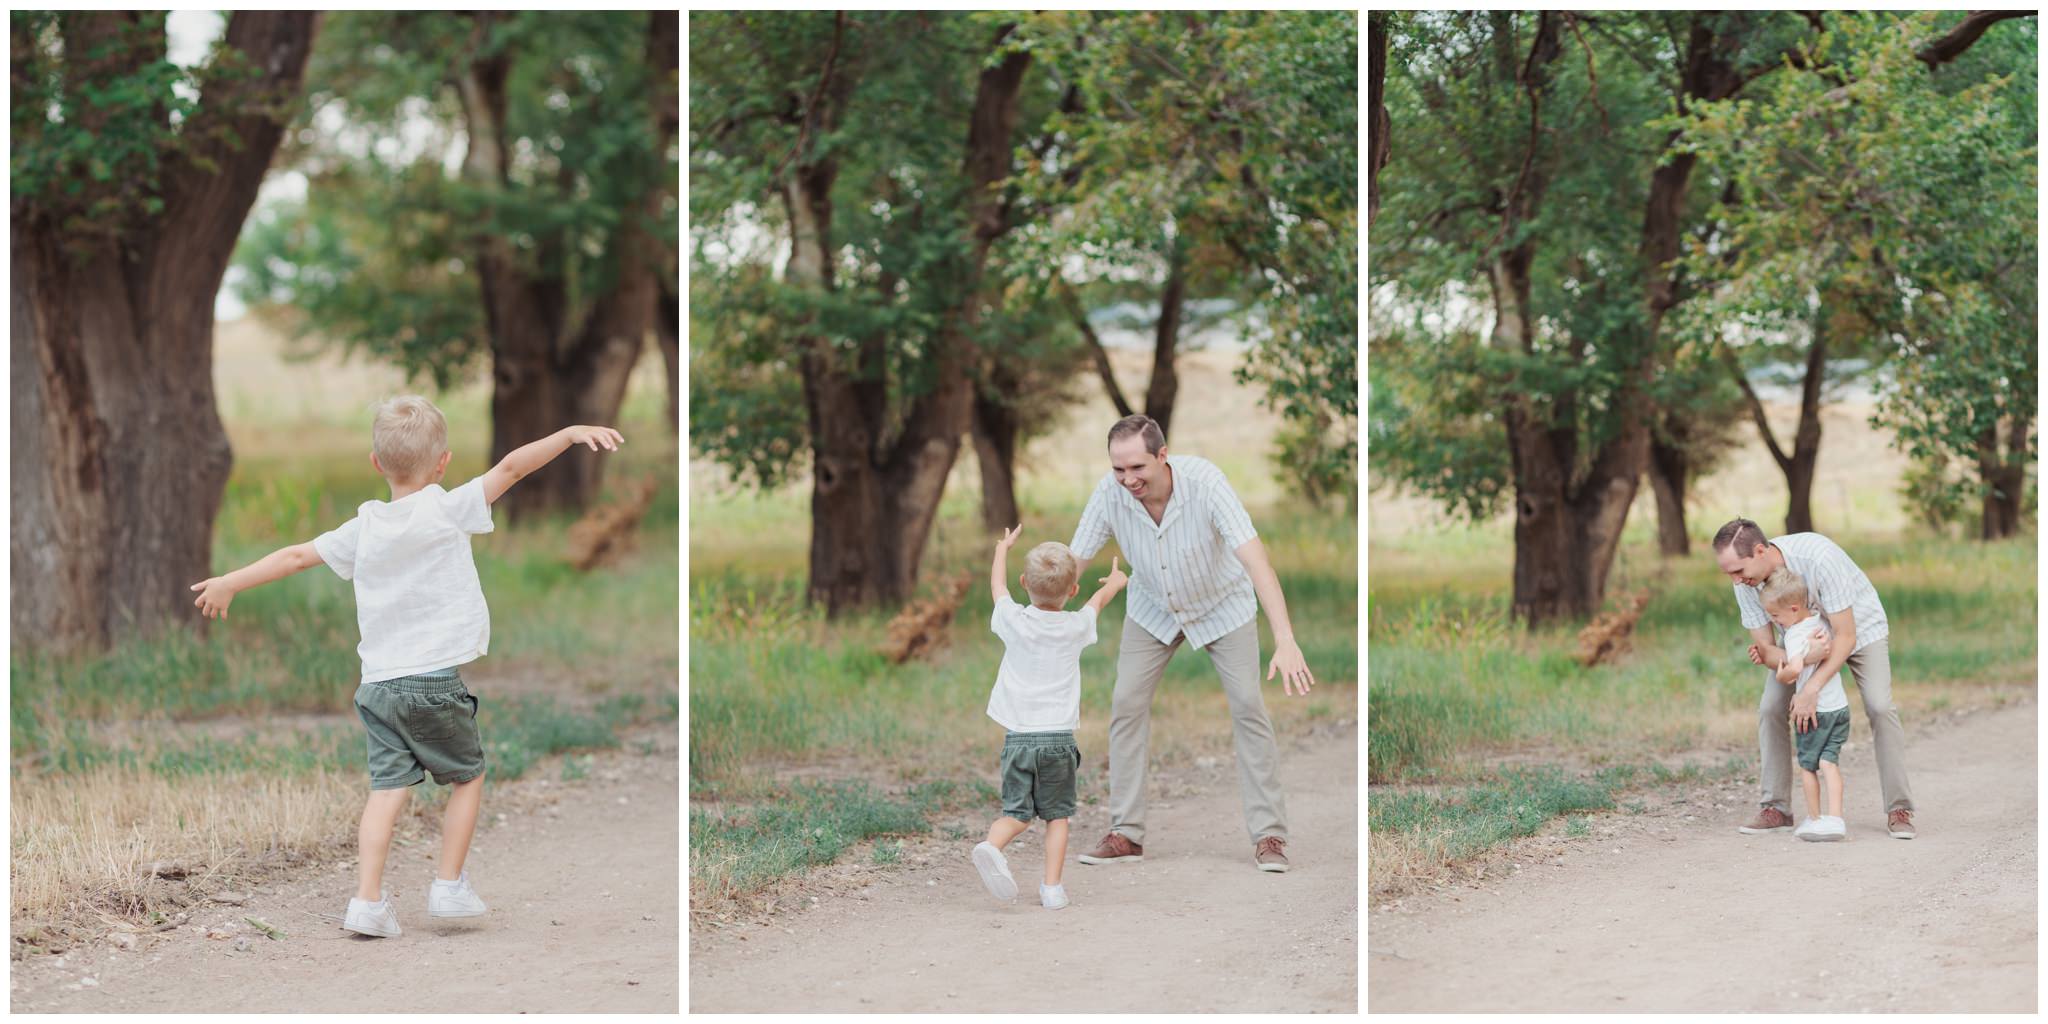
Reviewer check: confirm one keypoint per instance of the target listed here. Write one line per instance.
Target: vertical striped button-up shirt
(1834, 580)
(1185, 576)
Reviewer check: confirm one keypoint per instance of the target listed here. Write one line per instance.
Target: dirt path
(581, 881)
(1670, 914)
(1193, 927)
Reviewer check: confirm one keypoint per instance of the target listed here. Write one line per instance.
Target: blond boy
(421, 611)
(1037, 701)
(1819, 744)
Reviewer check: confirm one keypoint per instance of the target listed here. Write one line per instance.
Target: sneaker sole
(1746, 830)
(457, 913)
(1131, 858)
(1273, 867)
(990, 864)
(371, 933)
(1903, 835)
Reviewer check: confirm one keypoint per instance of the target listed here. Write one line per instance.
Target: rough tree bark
(119, 456)
(2005, 481)
(1670, 474)
(1376, 58)
(547, 372)
(872, 506)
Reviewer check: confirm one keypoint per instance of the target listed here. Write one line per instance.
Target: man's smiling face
(1749, 571)
(1137, 470)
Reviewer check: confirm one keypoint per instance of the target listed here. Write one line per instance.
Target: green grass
(1452, 676)
(771, 678)
(738, 850)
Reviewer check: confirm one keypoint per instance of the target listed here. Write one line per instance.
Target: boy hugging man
(1037, 700)
(1819, 744)
(422, 613)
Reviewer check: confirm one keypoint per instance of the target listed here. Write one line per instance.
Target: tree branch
(1102, 367)
(1960, 38)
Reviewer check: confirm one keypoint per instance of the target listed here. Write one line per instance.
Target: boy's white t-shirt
(418, 600)
(1038, 685)
(1797, 640)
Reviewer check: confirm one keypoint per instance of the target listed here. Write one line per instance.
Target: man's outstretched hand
(1295, 678)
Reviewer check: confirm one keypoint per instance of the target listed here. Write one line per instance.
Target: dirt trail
(581, 882)
(1672, 914)
(1193, 927)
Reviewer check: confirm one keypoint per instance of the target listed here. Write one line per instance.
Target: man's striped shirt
(1185, 576)
(1835, 581)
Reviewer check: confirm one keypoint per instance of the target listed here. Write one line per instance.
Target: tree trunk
(995, 450)
(668, 335)
(1376, 59)
(2005, 480)
(1669, 471)
(872, 510)
(543, 377)
(1101, 355)
(119, 456)
(1165, 385)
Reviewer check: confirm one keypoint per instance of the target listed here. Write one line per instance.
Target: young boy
(421, 610)
(1037, 701)
(1785, 599)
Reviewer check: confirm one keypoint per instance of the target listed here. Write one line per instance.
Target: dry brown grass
(84, 843)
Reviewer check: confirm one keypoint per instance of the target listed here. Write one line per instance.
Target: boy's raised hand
(1116, 577)
(1009, 537)
(214, 597)
(596, 437)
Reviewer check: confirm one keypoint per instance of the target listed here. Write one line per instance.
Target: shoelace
(1271, 844)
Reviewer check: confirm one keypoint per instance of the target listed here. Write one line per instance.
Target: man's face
(1137, 470)
(1749, 571)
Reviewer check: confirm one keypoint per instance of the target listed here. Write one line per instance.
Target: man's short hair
(408, 436)
(1050, 571)
(1784, 585)
(1138, 423)
(1741, 534)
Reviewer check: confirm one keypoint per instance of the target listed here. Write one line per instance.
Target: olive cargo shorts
(1038, 775)
(418, 725)
(1824, 741)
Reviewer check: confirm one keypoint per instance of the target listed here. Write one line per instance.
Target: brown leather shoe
(1113, 849)
(1770, 819)
(1268, 855)
(1900, 824)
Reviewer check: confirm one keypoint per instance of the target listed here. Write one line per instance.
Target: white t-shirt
(1797, 640)
(1038, 685)
(418, 601)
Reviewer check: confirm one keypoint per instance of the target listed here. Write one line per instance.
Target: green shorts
(418, 725)
(1823, 742)
(1038, 775)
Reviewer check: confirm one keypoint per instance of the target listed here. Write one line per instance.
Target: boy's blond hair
(1784, 585)
(408, 437)
(1049, 573)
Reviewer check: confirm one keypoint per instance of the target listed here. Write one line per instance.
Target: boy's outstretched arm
(525, 459)
(1111, 584)
(216, 593)
(998, 586)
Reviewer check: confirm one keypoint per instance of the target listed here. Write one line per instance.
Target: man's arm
(1111, 584)
(1287, 659)
(998, 570)
(216, 593)
(522, 461)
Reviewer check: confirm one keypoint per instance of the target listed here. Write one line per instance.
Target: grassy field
(1466, 707)
(237, 751)
(782, 701)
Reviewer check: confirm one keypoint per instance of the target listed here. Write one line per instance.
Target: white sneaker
(365, 918)
(1053, 897)
(1805, 826)
(1830, 829)
(453, 899)
(995, 871)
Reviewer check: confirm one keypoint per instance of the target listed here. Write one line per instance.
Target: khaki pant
(1871, 668)
(1140, 664)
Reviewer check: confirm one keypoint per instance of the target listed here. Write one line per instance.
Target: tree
(1884, 201)
(546, 254)
(1531, 142)
(127, 197)
(889, 235)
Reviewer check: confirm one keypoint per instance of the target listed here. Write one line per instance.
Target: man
(1845, 595)
(1198, 573)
